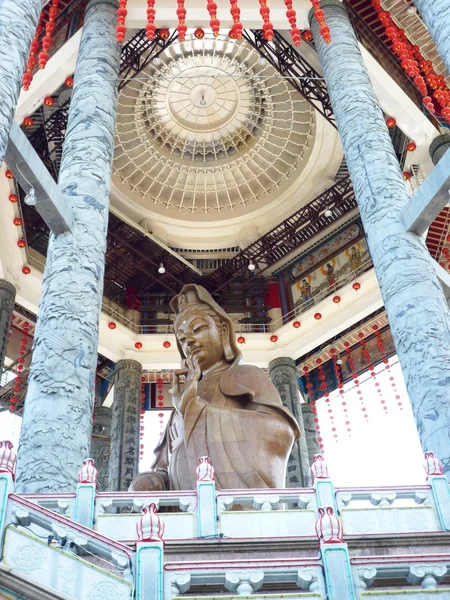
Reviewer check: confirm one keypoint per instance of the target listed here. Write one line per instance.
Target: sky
(381, 449)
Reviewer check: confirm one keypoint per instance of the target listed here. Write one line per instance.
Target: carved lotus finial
(328, 527)
(88, 473)
(7, 458)
(319, 468)
(205, 470)
(150, 527)
(432, 465)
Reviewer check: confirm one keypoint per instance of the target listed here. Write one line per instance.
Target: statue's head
(203, 330)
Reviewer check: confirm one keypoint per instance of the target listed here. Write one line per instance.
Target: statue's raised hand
(182, 396)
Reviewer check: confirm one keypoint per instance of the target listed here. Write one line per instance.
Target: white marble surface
(417, 309)
(56, 430)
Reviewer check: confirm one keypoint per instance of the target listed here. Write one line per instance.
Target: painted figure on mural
(227, 411)
(305, 290)
(355, 258)
(329, 272)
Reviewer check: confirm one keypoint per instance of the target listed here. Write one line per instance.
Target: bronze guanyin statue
(227, 411)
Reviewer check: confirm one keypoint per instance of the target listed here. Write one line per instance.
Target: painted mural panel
(329, 267)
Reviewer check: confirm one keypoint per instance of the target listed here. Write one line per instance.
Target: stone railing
(163, 545)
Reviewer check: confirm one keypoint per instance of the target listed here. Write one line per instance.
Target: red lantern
(26, 270)
(121, 16)
(391, 122)
(69, 82)
(164, 34)
(17, 221)
(274, 338)
(307, 35)
(21, 243)
(9, 174)
(199, 33)
(214, 22)
(318, 316)
(296, 324)
(48, 101)
(112, 325)
(241, 340)
(166, 344)
(411, 146)
(336, 299)
(406, 175)
(151, 27)
(356, 286)
(138, 345)
(28, 122)
(13, 198)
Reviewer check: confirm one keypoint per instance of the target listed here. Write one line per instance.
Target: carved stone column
(56, 429)
(7, 296)
(18, 22)
(436, 16)
(312, 442)
(418, 313)
(283, 375)
(125, 426)
(439, 147)
(101, 445)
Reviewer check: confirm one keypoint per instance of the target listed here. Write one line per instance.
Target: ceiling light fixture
(30, 199)
(251, 266)
(161, 268)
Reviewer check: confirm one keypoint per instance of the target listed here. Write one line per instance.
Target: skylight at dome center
(210, 128)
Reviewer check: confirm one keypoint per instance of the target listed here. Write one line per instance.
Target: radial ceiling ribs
(290, 64)
(137, 53)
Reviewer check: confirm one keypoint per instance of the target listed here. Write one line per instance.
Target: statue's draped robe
(238, 420)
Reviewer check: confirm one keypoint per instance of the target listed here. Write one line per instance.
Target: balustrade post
(206, 499)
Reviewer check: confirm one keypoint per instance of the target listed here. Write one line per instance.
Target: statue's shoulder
(248, 379)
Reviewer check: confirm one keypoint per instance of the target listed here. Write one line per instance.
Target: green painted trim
(139, 552)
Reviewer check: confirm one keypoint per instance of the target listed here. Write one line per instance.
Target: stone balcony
(387, 543)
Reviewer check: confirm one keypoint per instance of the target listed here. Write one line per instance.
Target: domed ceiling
(211, 131)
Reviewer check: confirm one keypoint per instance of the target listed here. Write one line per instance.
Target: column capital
(128, 363)
(7, 287)
(439, 147)
(323, 5)
(283, 361)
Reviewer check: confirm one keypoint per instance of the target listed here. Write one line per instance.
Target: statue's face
(201, 338)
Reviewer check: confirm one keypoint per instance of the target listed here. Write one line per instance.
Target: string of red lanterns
(340, 387)
(236, 29)
(312, 403)
(292, 18)
(415, 66)
(159, 385)
(181, 14)
(32, 60)
(319, 15)
(20, 363)
(50, 27)
(324, 389)
(150, 28)
(267, 25)
(18, 222)
(141, 419)
(121, 18)
(214, 22)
